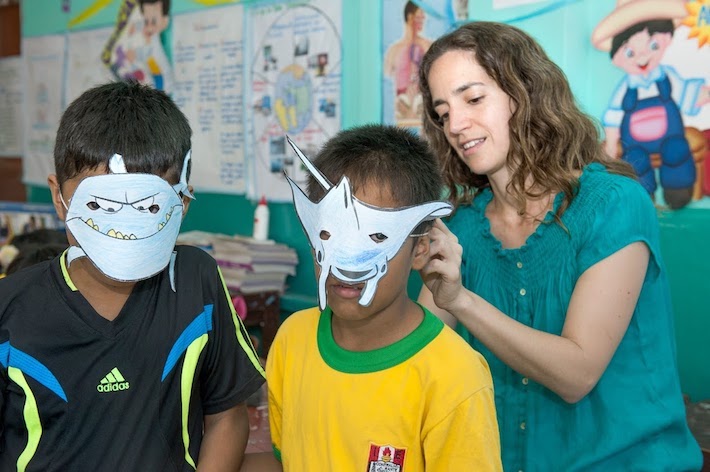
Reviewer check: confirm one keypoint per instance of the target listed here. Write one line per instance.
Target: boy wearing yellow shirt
(370, 380)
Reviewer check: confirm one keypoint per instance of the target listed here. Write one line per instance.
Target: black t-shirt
(79, 392)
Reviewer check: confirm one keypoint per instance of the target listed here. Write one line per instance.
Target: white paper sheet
(208, 66)
(44, 70)
(11, 95)
(85, 68)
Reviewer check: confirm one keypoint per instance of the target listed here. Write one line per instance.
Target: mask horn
(322, 180)
(116, 164)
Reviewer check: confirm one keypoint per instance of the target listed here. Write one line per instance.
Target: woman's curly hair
(551, 139)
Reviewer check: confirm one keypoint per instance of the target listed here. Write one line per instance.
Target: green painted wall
(685, 234)
(685, 245)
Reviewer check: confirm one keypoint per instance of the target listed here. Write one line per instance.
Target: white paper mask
(350, 253)
(126, 223)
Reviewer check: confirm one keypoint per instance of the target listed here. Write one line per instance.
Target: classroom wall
(684, 233)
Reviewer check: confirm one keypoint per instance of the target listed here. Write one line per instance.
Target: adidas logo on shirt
(113, 382)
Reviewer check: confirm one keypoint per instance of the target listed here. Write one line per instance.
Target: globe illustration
(293, 100)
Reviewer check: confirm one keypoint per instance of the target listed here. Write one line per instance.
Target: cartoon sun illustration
(698, 20)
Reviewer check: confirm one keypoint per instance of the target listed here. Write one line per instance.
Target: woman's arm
(598, 315)
(225, 439)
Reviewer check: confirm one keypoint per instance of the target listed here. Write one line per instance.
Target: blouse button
(522, 425)
(525, 380)
(519, 264)
(523, 292)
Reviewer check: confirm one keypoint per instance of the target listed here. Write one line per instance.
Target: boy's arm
(224, 441)
(467, 439)
(261, 462)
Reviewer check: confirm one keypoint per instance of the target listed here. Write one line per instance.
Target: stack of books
(247, 265)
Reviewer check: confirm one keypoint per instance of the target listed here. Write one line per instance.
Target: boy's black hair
(653, 26)
(138, 122)
(33, 254)
(392, 157)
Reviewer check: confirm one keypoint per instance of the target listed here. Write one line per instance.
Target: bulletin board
(244, 73)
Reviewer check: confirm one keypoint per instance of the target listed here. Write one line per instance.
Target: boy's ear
(421, 252)
(186, 201)
(56, 199)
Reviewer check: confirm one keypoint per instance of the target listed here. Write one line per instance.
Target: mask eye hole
(147, 204)
(378, 237)
(107, 205)
(93, 206)
(324, 235)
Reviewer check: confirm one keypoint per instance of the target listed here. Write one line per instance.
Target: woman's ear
(421, 252)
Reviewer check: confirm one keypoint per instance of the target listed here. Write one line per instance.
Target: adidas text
(113, 387)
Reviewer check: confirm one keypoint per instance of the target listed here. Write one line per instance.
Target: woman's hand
(442, 274)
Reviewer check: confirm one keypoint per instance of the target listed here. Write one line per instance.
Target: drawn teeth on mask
(119, 235)
(91, 224)
(167, 218)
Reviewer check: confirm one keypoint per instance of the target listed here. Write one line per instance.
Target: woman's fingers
(444, 254)
(444, 245)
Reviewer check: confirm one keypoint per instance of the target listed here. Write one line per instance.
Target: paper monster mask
(350, 253)
(126, 223)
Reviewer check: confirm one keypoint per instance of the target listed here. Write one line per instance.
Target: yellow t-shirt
(423, 403)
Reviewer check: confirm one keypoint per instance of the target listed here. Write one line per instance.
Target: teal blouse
(634, 418)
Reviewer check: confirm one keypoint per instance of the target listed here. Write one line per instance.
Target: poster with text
(11, 94)
(209, 69)
(294, 89)
(44, 63)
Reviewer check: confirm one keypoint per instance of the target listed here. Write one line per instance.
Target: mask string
(61, 197)
(181, 187)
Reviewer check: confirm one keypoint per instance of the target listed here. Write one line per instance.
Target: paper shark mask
(350, 253)
(126, 223)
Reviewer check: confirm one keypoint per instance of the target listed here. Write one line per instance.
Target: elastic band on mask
(61, 197)
(181, 187)
(419, 235)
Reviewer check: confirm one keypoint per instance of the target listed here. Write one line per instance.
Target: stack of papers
(247, 265)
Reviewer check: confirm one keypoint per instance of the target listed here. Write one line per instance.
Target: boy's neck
(382, 329)
(105, 296)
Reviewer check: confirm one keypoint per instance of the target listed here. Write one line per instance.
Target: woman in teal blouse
(551, 263)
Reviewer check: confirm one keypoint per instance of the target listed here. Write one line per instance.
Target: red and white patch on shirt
(386, 459)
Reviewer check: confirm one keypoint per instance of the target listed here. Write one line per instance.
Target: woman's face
(473, 111)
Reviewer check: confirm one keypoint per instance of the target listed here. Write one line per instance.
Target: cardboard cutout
(352, 240)
(645, 115)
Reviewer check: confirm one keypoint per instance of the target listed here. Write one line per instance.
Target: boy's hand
(442, 274)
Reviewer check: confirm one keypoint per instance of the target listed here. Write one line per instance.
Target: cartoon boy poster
(135, 50)
(644, 121)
